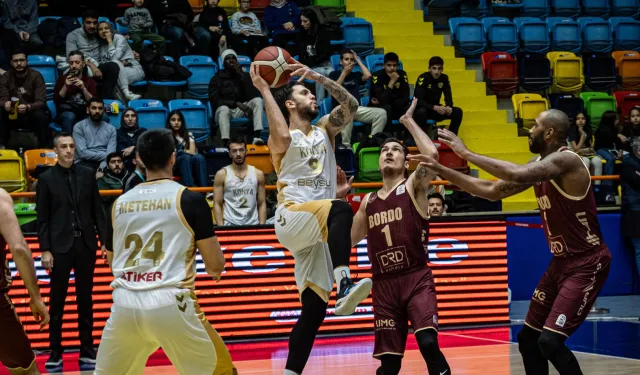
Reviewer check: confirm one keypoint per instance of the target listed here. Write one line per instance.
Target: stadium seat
(12, 172)
(534, 34)
(46, 65)
(596, 103)
(259, 157)
(534, 71)
(40, 19)
(216, 157)
(626, 33)
(625, 8)
(38, 159)
(500, 71)
(628, 69)
(203, 69)
(368, 169)
(567, 103)
(566, 8)
(596, 8)
(536, 8)
(152, 114)
(195, 116)
(478, 11)
(502, 35)
(467, 36)
(625, 101)
(527, 107)
(596, 34)
(599, 71)
(345, 160)
(115, 117)
(566, 69)
(52, 108)
(168, 83)
(565, 34)
(358, 35)
(122, 29)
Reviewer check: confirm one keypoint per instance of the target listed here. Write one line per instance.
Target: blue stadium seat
(626, 33)
(122, 29)
(565, 34)
(100, 19)
(114, 118)
(475, 11)
(536, 8)
(54, 113)
(168, 83)
(596, 8)
(47, 17)
(625, 8)
(599, 71)
(376, 62)
(47, 67)
(358, 35)
(502, 35)
(567, 103)
(467, 35)
(534, 34)
(203, 69)
(152, 114)
(534, 72)
(195, 116)
(596, 34)
(244, 61)
(566, 8)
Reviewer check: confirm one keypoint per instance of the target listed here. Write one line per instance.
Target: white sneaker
(350, 295)
(258, 141)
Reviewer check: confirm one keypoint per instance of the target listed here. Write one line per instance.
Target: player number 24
(151, 250)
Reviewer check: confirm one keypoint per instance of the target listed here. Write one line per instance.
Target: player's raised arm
(279, 136)
(359, 227)
(491, 190)
(421, 177)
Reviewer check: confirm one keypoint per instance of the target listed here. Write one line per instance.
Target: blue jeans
(636, 247)
(190, 166)
(610, 166)
(175, 34)
(203, 42)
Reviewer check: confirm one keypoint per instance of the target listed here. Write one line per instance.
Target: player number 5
(151, 250)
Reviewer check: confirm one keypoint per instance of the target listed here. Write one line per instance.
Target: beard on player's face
(536, 142)
(392, 162)
(307, 111)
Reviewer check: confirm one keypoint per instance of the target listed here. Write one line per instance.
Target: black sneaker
(351, 294)
(54, 362)
(87, 356)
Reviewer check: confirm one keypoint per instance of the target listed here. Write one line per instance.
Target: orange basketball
(273, 65)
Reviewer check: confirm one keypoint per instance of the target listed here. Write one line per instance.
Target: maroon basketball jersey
(5, 272)
(570, 223)
(397, 233)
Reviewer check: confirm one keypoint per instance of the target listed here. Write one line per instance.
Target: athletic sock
(289, 372)
(340, 273)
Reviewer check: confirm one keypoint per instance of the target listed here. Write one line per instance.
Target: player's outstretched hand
(343, 185)
(304, 72)
(452, 140)
(404, 119)
(257, 79)
(426, 161)
(39, 311)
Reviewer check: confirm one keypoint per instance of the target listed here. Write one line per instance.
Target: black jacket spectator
(630, 181)
(314, 47)
(126, 137)
(396, 96)
(429, 90)
(228, 89)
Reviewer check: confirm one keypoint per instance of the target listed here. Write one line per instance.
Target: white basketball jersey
(153, 245)
(240, 198)
(307, 172)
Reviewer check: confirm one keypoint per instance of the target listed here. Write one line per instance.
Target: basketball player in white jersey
(238, 190)
(157, 227)
(312, 221)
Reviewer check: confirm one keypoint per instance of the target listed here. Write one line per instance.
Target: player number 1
(387, 234)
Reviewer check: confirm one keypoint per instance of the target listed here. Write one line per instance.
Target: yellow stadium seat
(12, 175)
(259, 157)
(628, 66)
(566, 69)
(38, 157)
(527, 107)
(517, 98)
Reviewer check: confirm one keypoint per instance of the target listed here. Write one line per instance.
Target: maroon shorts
(567, 291)
(398, 300)
(15, 349)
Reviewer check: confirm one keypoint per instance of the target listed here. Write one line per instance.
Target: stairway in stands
(399, 28)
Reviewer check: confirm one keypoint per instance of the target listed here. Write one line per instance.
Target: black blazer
(54, 206)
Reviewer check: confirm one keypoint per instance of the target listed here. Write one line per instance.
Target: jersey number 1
(151, 250)
(387, 234)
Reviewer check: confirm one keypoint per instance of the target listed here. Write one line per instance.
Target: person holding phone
(72, 93)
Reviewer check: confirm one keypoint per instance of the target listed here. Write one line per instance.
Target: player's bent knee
(340, 208)
(427, 340)
(390, 364)
(528, 339)
(549, 342)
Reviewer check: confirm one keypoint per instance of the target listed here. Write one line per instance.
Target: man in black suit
(70, 215)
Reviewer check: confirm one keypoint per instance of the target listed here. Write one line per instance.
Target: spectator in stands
(188, 162)
(233, 95)
(282, 18)
(140, 23)
(113, 179)
(73, 92)
(176, 17)
(390, 90)
(28, 87)
(580, 136)
(85, 40)
(631, 129)
(437, 206)
(630, 181)
(115, 48)
(245, 26)
(138, 176)
(314, 48)
(127, 136)
(213, 31)
(429, 89)
(352, 81)
(94, 138)
(608, 144)
(238, 190)
(20, 26)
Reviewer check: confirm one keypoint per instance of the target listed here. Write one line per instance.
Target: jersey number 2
(151, 250)
(243, 202)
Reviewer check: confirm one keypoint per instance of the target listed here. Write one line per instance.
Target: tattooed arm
(421, 178)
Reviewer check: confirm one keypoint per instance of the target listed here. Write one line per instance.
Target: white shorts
(302, 229)
(143, 321)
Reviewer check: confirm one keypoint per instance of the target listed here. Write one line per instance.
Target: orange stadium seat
(628, 66)
(38, 158)
(259, 157)
(12, 176)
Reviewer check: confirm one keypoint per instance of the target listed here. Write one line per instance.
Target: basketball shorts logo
(562, 319)
(435, 319)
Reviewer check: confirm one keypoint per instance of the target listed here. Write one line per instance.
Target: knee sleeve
(313, 310)
(390, 364)
(427, 341)
(339, 239)
(528, 340)
(549, 342)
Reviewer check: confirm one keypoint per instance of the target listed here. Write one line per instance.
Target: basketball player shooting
(581, 259)
(158, 226)
(312, 220)
(395, 220)
(15, 350)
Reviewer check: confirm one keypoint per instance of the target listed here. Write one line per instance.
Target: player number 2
(387, 234)
(151, 250)
(243, 202)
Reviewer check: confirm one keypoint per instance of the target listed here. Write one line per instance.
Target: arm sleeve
(43, 197)
(235, 26)
(448, 97)
(198, 214)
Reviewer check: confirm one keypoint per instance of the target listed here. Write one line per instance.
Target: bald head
(558, 121)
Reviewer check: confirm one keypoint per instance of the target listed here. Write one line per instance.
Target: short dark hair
(114, 155)
(438, 196)
(18, 52)
(90, 13)
(94, 99)
(60, 135)
(345, 51)
(283, 94)
(155, 148)
(391, 56)
(436, 60)
(238, 139)
(77, 53)
(396, 140)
